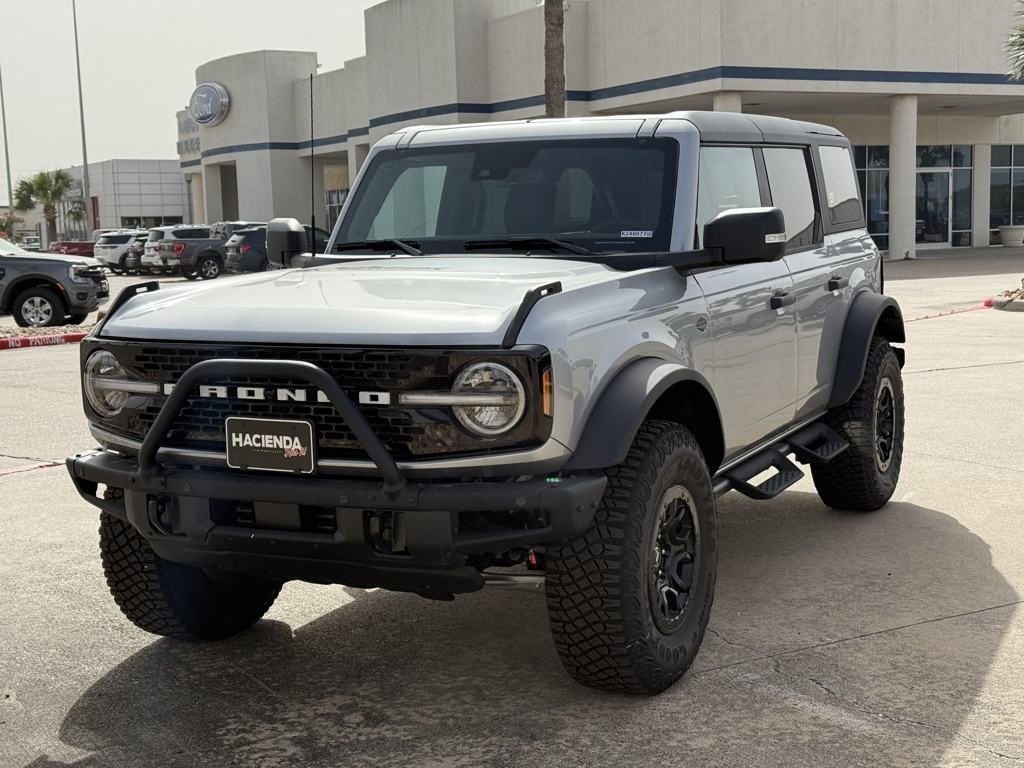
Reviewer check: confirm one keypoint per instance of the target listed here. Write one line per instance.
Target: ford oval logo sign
(209, 103)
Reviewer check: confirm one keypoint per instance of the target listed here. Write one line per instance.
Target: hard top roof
(713, 126)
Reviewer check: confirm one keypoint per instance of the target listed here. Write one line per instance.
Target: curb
(23, 342)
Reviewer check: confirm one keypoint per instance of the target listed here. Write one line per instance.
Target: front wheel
(864, 476)
(629, 600)
(172, 599)
(38, 308)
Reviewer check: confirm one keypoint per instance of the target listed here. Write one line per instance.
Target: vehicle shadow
(391, 679)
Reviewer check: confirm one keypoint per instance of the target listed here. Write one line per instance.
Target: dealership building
(919, 88)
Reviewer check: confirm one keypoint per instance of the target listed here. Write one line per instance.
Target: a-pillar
(902, 177)
(728, 101)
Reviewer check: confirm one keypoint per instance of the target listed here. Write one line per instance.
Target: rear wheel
(630, 599)
(209, 266)
(38, 308)
(172, 599)
(864, 476)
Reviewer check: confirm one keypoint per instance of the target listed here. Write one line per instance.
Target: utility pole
(7, 152)
(81, 118)
(554, 58)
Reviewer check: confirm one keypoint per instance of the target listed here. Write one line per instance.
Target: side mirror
(747, 235)
(286, 240)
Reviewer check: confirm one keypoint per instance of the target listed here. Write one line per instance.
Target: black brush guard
(171, 505)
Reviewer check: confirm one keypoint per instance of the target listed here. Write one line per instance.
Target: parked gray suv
(45, 289)
(534, 352)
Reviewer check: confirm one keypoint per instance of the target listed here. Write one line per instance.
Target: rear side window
(790, 183)
(192, 234)
(113, 239)
(254, 235)
(727, 179)
(840, 185)
(155, 235)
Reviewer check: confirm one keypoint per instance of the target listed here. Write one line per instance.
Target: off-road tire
(46, 296)
(855, 480)
(599, 604)
(171, 599)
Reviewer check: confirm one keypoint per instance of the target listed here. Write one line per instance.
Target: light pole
(81, 118)
(7, 152)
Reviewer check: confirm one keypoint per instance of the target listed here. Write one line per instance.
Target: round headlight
(102, 371)
(502, 410)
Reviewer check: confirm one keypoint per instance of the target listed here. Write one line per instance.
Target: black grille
(405, 432)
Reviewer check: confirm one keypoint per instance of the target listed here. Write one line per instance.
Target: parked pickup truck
(188, 249)
(74, 247)
(536, 354)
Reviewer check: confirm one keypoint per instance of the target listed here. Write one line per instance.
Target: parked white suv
(112, 248)
(151, 259)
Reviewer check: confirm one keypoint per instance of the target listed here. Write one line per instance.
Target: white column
(981, 202)
(728, 101)
(902, 176)
(213, 200)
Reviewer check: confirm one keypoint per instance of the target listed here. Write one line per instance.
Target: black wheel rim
(885, 425)
(674, 559)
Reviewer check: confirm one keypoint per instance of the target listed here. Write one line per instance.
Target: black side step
(787, 474)
(815, 444)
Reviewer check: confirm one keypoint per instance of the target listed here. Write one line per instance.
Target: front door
(933, 208)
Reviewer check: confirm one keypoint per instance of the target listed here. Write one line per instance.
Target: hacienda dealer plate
(272, 444)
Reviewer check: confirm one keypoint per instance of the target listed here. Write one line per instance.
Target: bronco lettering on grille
(280, 394)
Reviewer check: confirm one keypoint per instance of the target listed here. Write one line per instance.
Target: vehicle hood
(60, 258)
(393, 302)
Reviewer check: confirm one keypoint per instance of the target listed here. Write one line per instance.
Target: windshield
(602, 194)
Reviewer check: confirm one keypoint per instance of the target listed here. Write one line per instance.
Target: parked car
(112, 248)
(635, 315)
(42, 289)
(31, 244)
(73, 247)
(167, 262)
(194, 252)
(246, 250)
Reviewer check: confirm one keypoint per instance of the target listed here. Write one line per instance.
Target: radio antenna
(312, 173)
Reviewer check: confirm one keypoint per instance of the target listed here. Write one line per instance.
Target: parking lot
(893, 638)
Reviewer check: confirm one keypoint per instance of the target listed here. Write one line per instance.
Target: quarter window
(727, 180)
(840, 185)
(791, 189)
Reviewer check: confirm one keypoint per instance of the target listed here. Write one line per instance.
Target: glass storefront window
(1017, 199)
(878, 157)
(1018, 155)
(1002, 156)
(963, 156)
(934, 156)
(999, 193)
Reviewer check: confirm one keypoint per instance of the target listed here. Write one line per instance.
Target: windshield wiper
(526, 243)
(388, 244)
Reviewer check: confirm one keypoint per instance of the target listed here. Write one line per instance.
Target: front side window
(840, 185)
(604, 195)
(727, 179)
(790, 184)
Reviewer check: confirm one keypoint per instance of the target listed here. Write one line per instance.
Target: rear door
(793, 186)
(754, 343)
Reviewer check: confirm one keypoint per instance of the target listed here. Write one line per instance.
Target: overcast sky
(138, 67)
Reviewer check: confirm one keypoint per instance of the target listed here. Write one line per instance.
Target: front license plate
(277, 445)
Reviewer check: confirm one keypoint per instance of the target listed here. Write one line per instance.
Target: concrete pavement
(894, 638)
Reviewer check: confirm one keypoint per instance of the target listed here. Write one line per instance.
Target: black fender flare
(626, 402)
(25, 281)
(870, 315)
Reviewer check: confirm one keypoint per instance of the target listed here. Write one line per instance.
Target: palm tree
(554, 58)
(46, 188)
(1015, 46)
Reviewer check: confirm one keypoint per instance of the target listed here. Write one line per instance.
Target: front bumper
(176, 510)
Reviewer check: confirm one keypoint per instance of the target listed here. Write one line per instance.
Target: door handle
(835, 283)
(782, 299)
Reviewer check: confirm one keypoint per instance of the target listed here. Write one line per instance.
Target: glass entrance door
(933, 205)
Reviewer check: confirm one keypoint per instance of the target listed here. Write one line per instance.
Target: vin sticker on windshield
(637, 233)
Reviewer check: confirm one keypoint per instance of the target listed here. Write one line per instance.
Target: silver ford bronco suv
(534, 353)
